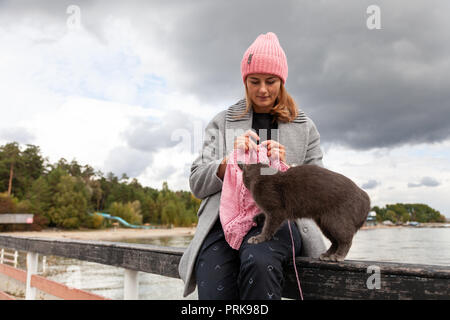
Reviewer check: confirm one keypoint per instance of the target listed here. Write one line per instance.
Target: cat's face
(251, 171)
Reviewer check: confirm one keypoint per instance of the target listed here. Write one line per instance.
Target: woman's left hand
(275, 150)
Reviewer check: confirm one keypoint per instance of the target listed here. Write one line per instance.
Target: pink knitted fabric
(237, 207)
(265, 55)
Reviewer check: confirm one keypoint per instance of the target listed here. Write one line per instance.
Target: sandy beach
(114, 234)
(105, 234)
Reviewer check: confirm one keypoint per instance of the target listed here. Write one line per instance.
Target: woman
(267, 116)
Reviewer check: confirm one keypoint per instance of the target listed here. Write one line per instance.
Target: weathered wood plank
(147, 258)
(348, 280)
(5, 296)
(13, 273)
(319, 280)
(61, 290)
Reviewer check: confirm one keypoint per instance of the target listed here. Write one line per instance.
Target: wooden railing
(319, 280)
(34, 281)
(9, 257)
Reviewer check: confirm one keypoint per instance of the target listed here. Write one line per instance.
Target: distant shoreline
(116, 234)
(421, 225)
(110, 234)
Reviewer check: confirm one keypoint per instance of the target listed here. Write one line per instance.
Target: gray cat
(334, 202)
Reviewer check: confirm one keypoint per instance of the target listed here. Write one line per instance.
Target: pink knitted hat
(265, 55)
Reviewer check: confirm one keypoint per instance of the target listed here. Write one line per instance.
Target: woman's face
(263, 90)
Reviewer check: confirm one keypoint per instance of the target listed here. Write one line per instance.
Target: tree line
(65, 194)
(404, 212)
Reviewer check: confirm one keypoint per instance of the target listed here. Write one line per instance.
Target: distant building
(13, 218)
(371, 219)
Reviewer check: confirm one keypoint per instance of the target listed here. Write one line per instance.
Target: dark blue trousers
(254, 272)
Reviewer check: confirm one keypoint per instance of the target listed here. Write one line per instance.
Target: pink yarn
(265, 55)
(237, 207)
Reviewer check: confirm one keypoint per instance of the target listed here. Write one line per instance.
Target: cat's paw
(255, 240)
(338, 258)
(331, 257)
(324, 257)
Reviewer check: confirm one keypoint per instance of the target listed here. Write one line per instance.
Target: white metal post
(44, 264)
(131, 285)
(32, 266)
(16, 256)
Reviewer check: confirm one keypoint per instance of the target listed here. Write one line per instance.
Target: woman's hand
(244, 142)
(275, 150)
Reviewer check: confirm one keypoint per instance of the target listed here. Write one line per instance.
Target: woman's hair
(285, 109)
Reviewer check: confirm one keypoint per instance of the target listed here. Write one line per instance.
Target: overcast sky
(118, 84)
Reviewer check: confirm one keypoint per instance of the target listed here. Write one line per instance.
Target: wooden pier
(319, 280)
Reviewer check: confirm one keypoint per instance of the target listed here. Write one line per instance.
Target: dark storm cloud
(127, 160)
(363, 88)
(425, 182)
(371, 184)
(150, 135)
(146, 137)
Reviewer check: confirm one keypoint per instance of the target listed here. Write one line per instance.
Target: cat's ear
(241, 166)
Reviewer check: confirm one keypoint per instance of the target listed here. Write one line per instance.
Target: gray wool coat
(302, 143)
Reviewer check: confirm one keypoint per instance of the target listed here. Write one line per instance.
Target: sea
(404, 245)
